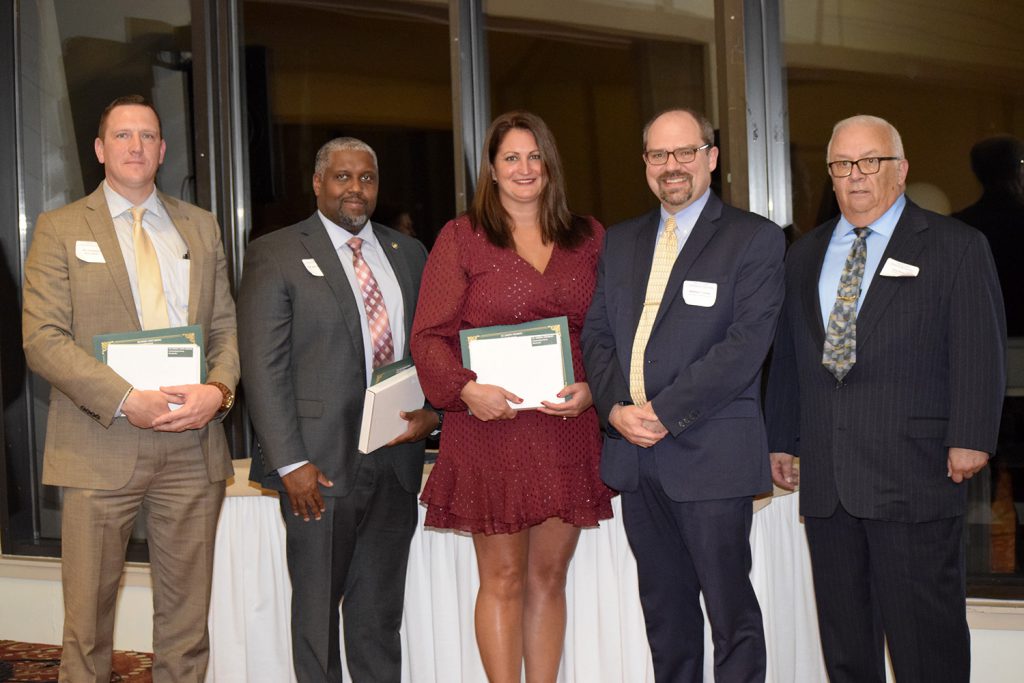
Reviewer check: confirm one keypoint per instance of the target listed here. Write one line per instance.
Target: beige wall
(32, 607)
(33, 612)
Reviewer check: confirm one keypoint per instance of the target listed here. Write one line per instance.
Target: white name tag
(894, 268)
(696, 293)
(89, 252)
(312, 267)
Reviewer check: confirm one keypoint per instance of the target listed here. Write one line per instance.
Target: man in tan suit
(125, 258)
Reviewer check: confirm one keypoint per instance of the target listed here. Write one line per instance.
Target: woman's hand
(488, 401)
(580, 400)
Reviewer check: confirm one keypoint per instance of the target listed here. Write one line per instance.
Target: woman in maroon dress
(523, 483)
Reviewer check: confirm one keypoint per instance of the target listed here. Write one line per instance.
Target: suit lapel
(102, 227)
(703, 230)
(189, 232)
(400, 265)
(319, 246)
(905, 245)
(810, 297)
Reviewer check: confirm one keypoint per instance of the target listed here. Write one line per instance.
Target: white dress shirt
(387, 282)
(383, 273)
(171, 251)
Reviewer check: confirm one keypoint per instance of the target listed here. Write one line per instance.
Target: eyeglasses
(684, 155)
(867, 166)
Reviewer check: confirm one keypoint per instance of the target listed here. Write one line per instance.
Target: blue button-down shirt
(685, 220)
(839, 249)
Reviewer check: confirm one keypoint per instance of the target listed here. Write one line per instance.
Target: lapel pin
(394, 245)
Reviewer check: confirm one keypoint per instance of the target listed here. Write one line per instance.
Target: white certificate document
(381, 407)
(151, 366)
(532, 360)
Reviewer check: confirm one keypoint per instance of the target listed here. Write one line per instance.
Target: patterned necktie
(147, 269)
(664, 257)
(840, 351)
(373, 303)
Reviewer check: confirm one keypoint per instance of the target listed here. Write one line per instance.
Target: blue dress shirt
(685, 220)
(839, 249)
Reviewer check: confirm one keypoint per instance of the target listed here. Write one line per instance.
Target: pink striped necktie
(373, 303)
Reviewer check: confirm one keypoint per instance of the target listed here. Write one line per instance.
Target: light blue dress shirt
(685, 220)
(839, 248)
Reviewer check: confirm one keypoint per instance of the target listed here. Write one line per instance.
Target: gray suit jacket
(69, 300)
(302, 354)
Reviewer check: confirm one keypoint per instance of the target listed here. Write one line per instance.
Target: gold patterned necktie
(147, 269)
(840, 351)
(664, 258)
(373, 304)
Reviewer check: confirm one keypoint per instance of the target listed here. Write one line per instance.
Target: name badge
(89, 252)
(312, 267)
(696, 293)
(894, 268)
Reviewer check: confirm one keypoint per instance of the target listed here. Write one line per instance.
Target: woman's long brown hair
(557, 224)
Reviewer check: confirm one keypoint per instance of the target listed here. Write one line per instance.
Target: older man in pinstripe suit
(887, 380)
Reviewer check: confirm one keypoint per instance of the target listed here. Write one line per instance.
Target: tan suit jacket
(67, 301)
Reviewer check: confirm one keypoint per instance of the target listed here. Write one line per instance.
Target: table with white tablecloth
(605, 638)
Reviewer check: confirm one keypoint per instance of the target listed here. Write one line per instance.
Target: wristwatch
(229, 397)
(437, 430)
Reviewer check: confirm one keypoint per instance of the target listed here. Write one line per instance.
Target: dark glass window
(947, 78)
(73, 59)
(379, 72)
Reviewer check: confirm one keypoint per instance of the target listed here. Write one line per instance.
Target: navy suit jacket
(930, 374)
(702, 364)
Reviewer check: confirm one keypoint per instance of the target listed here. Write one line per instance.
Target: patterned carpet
(34, 663)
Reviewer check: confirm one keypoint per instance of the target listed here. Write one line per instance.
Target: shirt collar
(687, 217)
(118, 205)
(340, 236)
(885, 224)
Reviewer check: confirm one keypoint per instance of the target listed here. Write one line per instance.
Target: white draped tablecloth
(605, 638)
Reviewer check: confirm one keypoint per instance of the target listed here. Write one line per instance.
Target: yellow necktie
(664, 257)
(147, 268)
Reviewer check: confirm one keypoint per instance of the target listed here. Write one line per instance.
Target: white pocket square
(312, 267)
(894, 268)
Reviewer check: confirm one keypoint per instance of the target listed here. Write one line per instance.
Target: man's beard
(351, 223)
(670, 194)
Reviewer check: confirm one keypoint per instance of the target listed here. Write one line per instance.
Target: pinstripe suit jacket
(930, 375)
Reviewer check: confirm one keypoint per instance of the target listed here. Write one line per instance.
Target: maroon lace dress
(503, 476)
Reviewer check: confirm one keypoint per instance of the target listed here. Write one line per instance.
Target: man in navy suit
(686, 304)
(886, 448)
